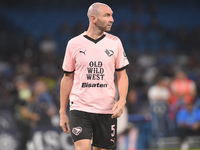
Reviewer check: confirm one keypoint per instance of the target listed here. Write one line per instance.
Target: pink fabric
(94, 65)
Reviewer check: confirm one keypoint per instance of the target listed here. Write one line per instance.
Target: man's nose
(111, 19)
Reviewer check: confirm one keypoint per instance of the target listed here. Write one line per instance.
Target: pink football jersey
(94, 63)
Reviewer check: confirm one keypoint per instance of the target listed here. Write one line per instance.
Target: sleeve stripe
(68, 72)
(120, 69)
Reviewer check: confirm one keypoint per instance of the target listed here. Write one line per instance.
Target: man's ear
(93, 19)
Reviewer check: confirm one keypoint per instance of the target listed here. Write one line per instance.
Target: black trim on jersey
(93, 40)
(67, 72)
(120, 69)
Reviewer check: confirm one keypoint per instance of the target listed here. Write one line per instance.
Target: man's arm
(122, 84)
(65, 89)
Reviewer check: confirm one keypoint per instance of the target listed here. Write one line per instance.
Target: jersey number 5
(113, 130)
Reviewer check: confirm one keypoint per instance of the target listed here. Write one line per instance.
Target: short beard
(103, 28)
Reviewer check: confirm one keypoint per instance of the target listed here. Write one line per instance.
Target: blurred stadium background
(159, 37)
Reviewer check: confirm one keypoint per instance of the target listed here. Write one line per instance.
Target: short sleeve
(68, 62)
(122, 60)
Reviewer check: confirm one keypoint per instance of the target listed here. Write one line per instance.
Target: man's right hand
(64, 123)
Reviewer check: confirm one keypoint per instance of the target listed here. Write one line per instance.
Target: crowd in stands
(164, 72)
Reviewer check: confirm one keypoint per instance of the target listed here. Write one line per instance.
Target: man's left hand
(118, 108)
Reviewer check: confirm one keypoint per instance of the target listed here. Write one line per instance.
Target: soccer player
(90, 61)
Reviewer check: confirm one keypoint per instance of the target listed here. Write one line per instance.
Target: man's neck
(94, 33)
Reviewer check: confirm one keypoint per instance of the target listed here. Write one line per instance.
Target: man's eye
(107, 15)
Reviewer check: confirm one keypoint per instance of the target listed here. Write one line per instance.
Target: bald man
(90, 61)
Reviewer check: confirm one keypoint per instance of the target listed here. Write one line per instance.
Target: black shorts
(100, 128)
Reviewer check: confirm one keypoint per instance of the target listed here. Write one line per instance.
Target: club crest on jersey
(109, 52)
(77, 130)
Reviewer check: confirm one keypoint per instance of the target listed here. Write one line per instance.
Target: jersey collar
(93, 40)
